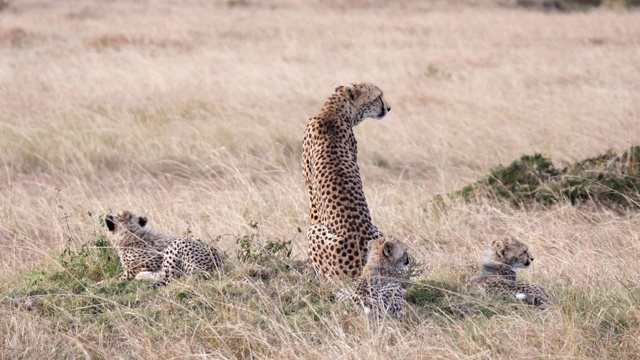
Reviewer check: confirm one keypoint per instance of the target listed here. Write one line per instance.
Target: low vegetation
(610, 179)
(267, 292)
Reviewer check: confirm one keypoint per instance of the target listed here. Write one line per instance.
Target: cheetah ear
(108, 220)
(352, 92)
(388, 247)
(142, 221)
(499, 247)
(337, 88)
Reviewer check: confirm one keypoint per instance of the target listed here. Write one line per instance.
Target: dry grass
(193, 113)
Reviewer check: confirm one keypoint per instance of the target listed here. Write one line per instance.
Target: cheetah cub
(146, 254)
(379, 289)
(498, 273)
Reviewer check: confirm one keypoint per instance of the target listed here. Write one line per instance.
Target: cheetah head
(367, 99)
(511, 252)
(387, 257)
(125, 221)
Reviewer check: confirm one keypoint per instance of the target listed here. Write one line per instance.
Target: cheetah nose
(388, 108)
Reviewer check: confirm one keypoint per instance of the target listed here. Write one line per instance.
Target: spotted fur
(145, 254)
(498, 274)
(185, 257)
(139, 247)
(341, 224)
(379, 289)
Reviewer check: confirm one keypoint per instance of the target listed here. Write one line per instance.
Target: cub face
(125, 221)
(392, 255)
(511, 252)
(367, 98)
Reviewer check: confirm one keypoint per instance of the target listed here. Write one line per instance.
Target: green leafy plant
(94, 259)
(253, 250)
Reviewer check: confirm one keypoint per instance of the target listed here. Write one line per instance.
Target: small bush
(252, 250)
(95, 260)
(611, 180)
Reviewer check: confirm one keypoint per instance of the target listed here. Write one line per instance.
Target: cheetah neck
(342, 111)
(499, 269)
(377, 269)
(370, 270)
(147, 238)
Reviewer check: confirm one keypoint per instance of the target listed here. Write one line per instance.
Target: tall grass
(192, 113)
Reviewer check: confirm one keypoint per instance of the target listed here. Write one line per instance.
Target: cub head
(387, 257)
(367, 99)
(511, 252)
(125, 221)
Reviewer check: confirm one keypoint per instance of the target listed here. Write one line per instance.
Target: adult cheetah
(379, 290)
(146, 254)
(341, 223)
(498, 274)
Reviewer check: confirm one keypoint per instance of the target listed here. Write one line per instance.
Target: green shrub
(610, 180)
(252, 250)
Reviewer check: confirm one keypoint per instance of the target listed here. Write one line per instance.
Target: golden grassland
(192, 113)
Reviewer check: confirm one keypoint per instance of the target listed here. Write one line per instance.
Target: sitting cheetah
(498, 276)
(341, 223)
(379, 288)
(147, 254)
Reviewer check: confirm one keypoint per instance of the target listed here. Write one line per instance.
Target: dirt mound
(609, 179)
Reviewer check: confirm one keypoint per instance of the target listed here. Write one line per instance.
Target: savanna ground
(192, 113)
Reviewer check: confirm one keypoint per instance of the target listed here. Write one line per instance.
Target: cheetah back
(529, 294)
(340, 218)
(188, 257)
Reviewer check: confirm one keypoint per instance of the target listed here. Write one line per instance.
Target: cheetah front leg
(131, 272)
(148, 275)
(127, 275)
(160, 278)
(134, 261)
(333, 255)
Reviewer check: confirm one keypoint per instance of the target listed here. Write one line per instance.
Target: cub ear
(388, 248)
(371, 244)
(352, 92)
(499, 247)
(111, 225)
(142, 221)
(337, 88)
